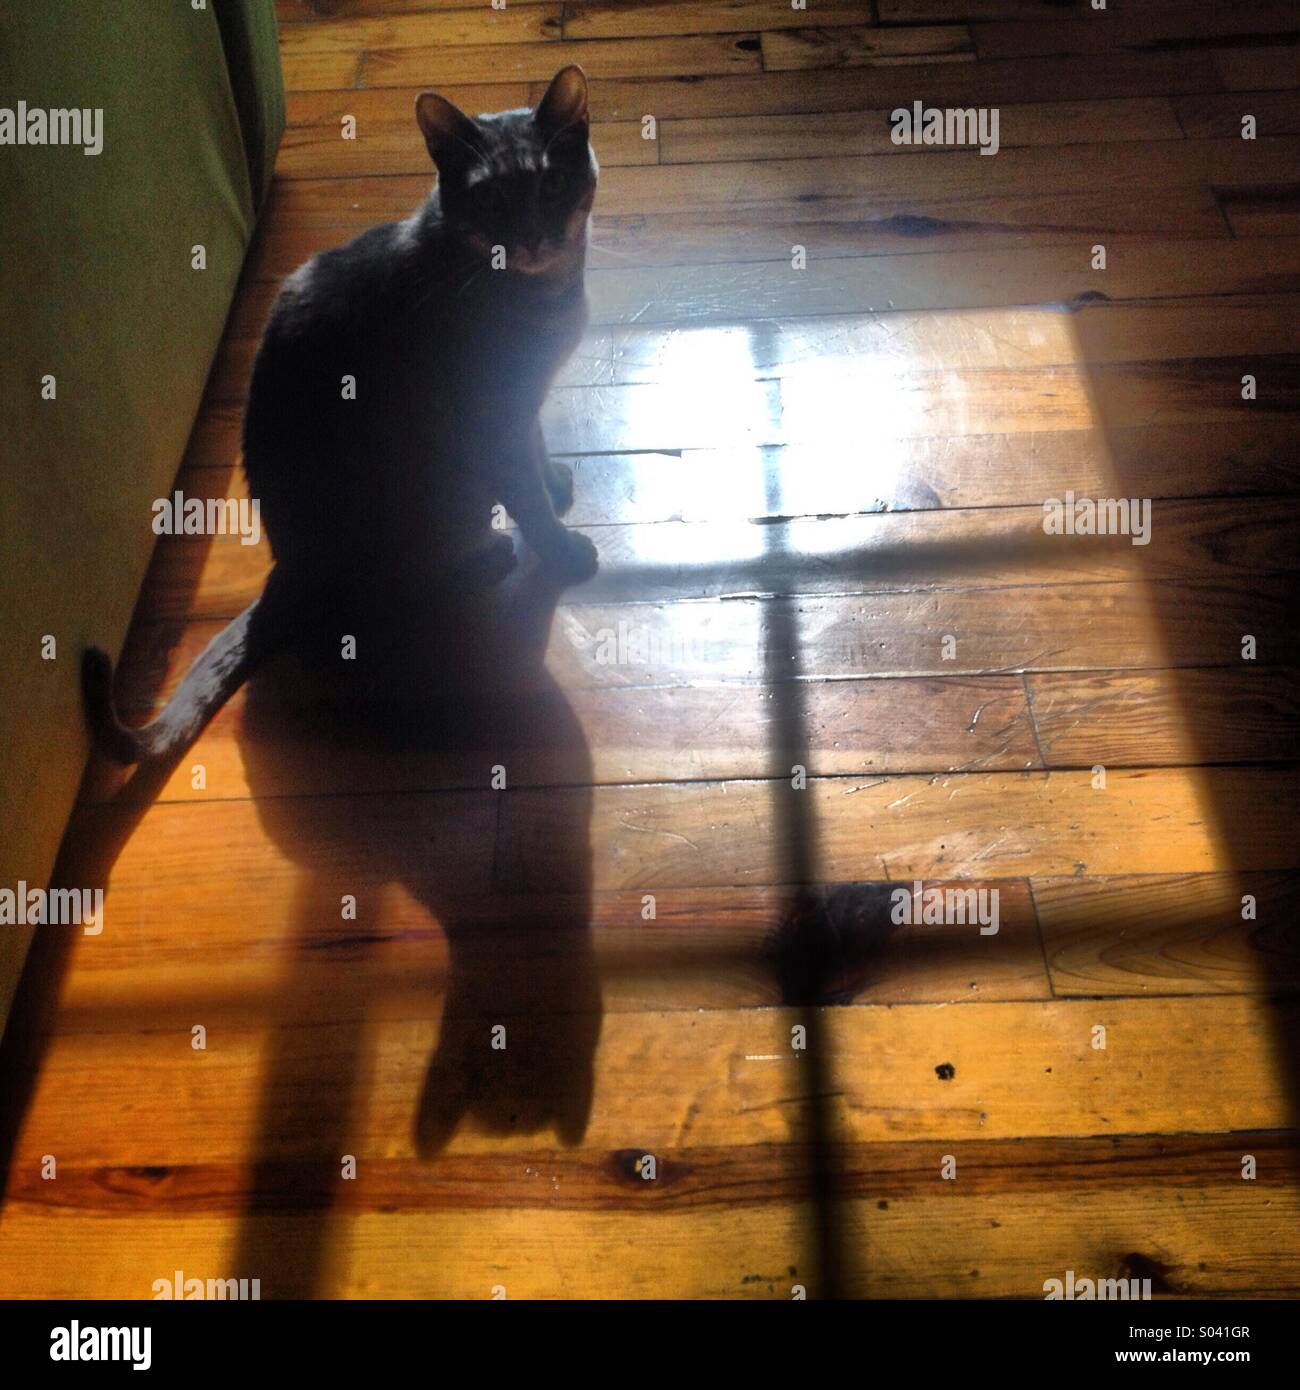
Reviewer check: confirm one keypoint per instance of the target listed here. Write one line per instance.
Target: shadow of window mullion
(795, 861)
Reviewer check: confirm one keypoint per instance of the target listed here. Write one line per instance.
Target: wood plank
(901, 1171)
(992, 1233)
(391, 104)
(1033, 275)
(319, 11)
(716, 139)
(1156, 934)
(1019, 1070)
(1166, 163)
(378, 1255)
(842, 188)
(811, 409)
(1264, 211)
(1126, 626)
(1051, 275)
(843, 345)
(982, 11)
(840, 227)
(653, 753)
(624, 19)
(396, 147)
(747, 189)
(1167, 717)
(1209, 458)
(969, 11)
(1152, 392)
(852, 227)
(795, 50)
(1111, 334)
(751, 408)
(705, 950)
(1212, 459)
(640, 735)
(869, 552)
(328, 71)
(691, 56)
(997, 824)
(1185, 26)
(1253, 68)
(1082, 78)
(1210, 116)
(445, 28)
(880, 552)
(1056, 627)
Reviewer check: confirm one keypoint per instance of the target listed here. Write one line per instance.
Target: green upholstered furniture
(107, 332)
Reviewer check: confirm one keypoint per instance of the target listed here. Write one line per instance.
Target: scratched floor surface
(833, 649)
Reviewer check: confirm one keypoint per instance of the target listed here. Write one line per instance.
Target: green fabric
(248, 31)
(97, 290)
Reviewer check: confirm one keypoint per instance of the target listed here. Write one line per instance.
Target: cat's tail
(223, 666)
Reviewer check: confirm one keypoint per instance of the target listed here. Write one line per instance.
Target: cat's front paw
(491, 564)
(575, 561)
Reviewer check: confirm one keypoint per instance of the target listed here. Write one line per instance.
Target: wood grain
(852, 345)
(1220, 115)
(984, 11)
(795, 50)
(818, 135)
(395, 147)
(1262, 211)
(623, 19)
(450, 28)
(651, 734)
(1002, 278)
(1139, 29)
(843, 227)
(1092, 77)
(868, 552)
(818, 497)
(315, 12)
(705, 949)
(699, 55)
(1116, 626)
(1020, 1070)
(1255, 68)
(1181, 934)
(1167, 717)
(1157, 821)
(1206, 458)
(993, 1245)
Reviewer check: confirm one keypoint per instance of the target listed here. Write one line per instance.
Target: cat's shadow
(376, 770)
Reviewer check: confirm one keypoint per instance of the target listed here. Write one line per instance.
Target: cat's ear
(449, 133)
(565, 102)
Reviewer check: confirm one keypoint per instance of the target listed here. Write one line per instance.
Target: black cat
(394, 400)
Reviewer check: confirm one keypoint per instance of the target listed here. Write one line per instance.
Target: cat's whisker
(428, 294)
(469, 280)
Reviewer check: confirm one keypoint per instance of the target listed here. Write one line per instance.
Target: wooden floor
(818, 496)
